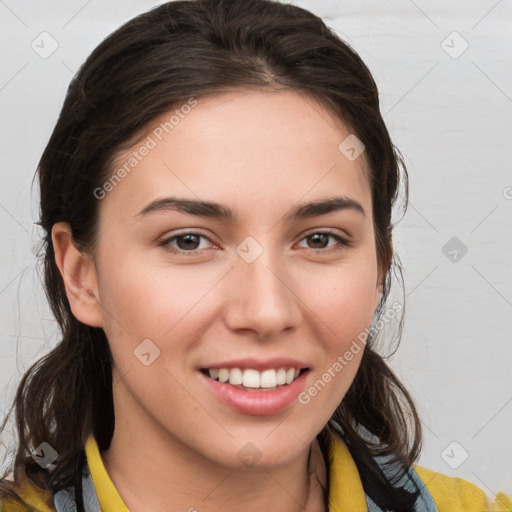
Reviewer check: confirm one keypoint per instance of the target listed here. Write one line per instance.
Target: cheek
(341, 305)
(343, 298)
(142, 300)
(135, 291)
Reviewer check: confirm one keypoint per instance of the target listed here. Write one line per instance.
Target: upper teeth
(250, 378)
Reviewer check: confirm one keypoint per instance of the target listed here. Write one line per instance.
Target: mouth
(250, 379)
(263, 392)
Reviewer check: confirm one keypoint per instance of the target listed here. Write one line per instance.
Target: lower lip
(256, 403)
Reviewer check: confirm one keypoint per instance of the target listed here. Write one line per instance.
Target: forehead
(245, 148)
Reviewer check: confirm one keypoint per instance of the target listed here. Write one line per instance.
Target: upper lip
(259, 364)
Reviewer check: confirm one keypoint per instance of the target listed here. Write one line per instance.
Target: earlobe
(79, 275)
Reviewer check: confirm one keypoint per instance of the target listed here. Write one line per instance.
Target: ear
(79, 275)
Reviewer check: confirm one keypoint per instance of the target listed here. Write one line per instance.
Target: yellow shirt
(346, 491)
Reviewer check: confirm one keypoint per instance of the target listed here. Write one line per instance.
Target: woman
(217, 198)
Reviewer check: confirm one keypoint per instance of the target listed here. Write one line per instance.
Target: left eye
(318, 239)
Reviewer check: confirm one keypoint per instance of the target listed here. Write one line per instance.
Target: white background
(450, 117)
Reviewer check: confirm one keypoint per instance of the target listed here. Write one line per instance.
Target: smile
(254, 392)
(252, 379)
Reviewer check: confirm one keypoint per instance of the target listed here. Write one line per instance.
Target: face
(255, 286)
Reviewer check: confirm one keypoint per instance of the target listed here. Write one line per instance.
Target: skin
(260, 153)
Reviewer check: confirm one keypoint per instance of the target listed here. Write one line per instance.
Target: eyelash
(343, 243)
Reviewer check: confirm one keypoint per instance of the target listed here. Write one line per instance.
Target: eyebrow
(218, 211)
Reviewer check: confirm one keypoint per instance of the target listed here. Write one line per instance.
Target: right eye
(187, 243)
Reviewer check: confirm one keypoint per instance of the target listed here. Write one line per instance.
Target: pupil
(316, 238)
(189, 238)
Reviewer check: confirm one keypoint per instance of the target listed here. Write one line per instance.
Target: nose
(261, 297)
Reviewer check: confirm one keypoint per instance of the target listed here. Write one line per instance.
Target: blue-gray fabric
(64, 501)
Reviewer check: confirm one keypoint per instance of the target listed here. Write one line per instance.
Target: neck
(157, 472)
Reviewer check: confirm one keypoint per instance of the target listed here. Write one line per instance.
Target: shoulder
(439, 492)
(33, 500)
(453, 494)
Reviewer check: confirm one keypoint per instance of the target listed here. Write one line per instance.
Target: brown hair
(179, 50)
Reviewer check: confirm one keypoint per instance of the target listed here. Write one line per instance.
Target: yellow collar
(108, 496)
(346, 490)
